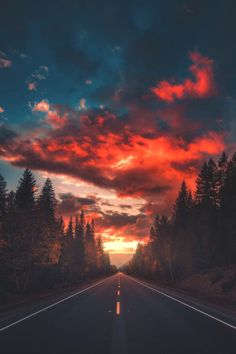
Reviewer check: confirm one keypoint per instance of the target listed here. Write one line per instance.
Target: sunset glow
(116, 124)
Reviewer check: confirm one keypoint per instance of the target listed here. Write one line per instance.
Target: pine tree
(228, 212)
(25, 226)
(206, 191)
(206, 216)
(48, 243)
(182, 206)
(70, 231)
(25, 193)
(47, 203)
(222, 170)
(90, 247)
(79, 245)
(3, 197)
(182, 238)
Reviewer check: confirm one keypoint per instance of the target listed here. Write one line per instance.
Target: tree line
(201, 232)
(36, 249)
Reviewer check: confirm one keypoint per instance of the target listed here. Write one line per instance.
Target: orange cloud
(129, 163)
(202, 86)
(42, 106)
(53, 118)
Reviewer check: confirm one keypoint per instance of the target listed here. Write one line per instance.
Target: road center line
(118, 293)
(183, 303)
(118, 308)
(52, 305)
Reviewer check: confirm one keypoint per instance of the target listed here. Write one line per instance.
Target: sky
(118, 102)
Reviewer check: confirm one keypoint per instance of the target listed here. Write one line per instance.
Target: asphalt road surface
(119, 315)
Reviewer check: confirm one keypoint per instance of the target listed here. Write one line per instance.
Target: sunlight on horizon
(120, 246)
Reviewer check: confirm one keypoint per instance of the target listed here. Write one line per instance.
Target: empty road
(118, 315)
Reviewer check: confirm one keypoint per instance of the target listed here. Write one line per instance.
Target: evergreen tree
(228, 212)
(90, 247)
(182, 206)
(47, 203)
(79, 245)
(25, 193)
(26, 228)
(206, 191)
(206, 216)
(182, 237)
(3, 198)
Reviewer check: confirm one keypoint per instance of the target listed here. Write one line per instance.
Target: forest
(37, 251)
(201, 232)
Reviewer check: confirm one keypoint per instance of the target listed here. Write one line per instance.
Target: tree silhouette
(201, 232)
(36, 250)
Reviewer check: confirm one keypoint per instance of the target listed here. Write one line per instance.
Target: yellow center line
(118, 308)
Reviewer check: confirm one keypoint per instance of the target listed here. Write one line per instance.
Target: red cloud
(53, 118)
(203, 86)
(113, 156)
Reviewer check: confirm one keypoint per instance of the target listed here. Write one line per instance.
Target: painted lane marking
(118, 293)
(118, 308)
(184, 303)
(52, 305)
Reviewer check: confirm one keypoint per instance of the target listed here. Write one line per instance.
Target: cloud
(38, 75)
(4, 61)
(117, 220)
(42, 106)
(70, 204)
(32, 86)
(114, 155)
(202, 86)
(82, 103)
(54, 115)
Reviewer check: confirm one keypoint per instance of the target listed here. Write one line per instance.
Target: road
(119, 315)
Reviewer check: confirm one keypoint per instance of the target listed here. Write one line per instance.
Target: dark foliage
(200, 234)
(36, 251)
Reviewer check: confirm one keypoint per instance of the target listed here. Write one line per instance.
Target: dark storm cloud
(70, 204)
(117, 220)
(7, 135)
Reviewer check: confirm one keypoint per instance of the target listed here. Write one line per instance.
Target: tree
(3, 225)
(228, 212)
(90, 248)
(206, 189)
(25, 226)
(3, 197)
(25, 193)
(47, 203)
(79, 245)
(206, 215)
(182, 237)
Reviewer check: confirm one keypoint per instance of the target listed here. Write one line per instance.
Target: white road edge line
(52, 305)
(184, 303)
